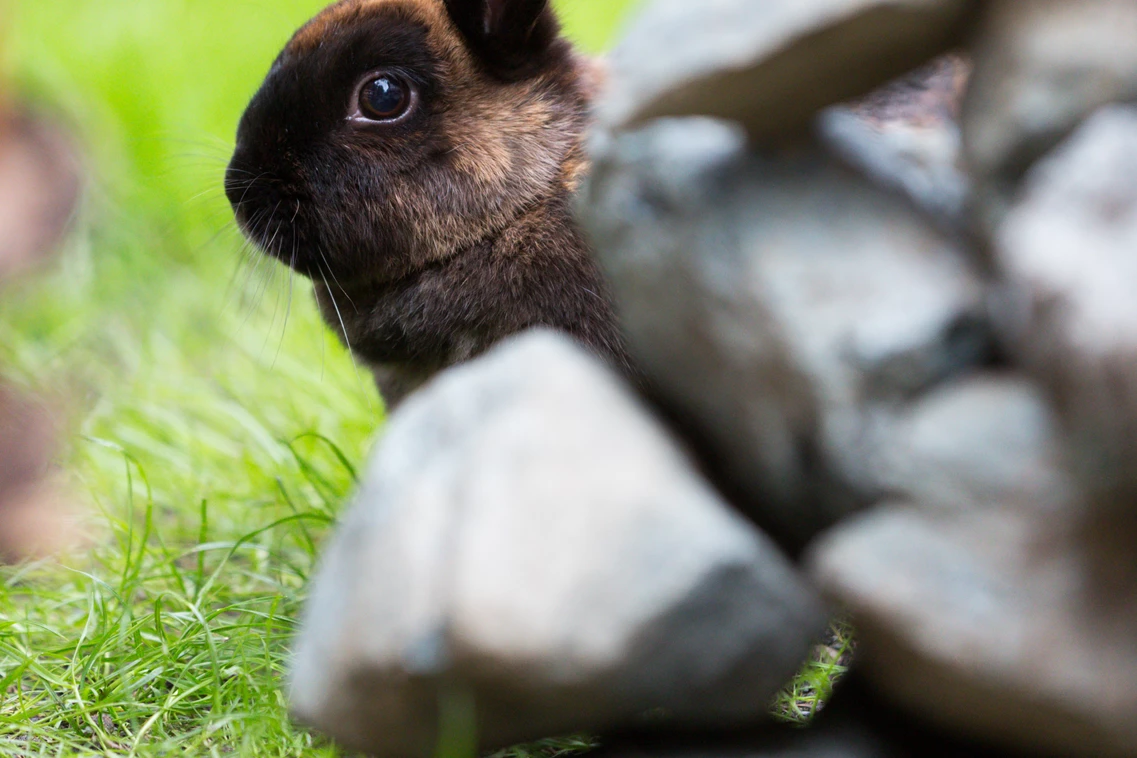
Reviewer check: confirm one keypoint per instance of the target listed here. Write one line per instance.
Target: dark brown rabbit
(417, 160)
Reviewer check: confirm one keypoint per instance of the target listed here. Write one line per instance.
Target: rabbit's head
(391, 134)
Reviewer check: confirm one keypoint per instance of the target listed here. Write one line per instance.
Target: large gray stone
(531, 554)
(1011, 624)
(986, 439)
(1041, 67)
(780, 306)
(997, 605)
(1068, 252)
(771, 65)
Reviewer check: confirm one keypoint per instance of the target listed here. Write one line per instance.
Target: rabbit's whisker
(255, 267)
(354, 307)
(270, 268)
(346, 338)
(291, 286)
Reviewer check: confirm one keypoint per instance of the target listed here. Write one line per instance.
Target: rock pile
(529, 533)
(890, 362)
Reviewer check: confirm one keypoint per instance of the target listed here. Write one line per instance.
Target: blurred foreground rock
(1012, 624)
(998, 595)
(906, 137)
(1001, 599)
(1042, 66)
(529, 536)
(771, 66)
(985, 439)
(1068, 251)
(804, 306)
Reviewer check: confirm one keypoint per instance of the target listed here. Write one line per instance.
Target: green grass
(217, 424)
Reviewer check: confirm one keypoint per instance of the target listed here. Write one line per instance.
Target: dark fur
(512, 38)
(429, 239)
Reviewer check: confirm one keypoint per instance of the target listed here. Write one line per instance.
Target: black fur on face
(346, 198)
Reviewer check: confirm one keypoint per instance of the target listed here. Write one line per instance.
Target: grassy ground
(217, 425)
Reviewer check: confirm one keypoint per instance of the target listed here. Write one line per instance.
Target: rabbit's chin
(317, 265)
(299, 249)
(358, 269)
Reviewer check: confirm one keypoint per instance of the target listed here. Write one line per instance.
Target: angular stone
(1040, 68)
(772, 65)
(530, 554)
(905, 136)
(778, 304)
(1068, 252)
(995, 608)
(982, 440)
(1013, 625)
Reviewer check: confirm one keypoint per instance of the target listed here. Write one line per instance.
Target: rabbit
(417, 160)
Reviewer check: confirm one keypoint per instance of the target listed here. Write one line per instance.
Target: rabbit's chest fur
(537, 272)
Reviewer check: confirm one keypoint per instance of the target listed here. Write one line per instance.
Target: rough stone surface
(778, 304)
(1040, 68)
(984, 439)
(1068, 253)
(1010, 624)
(772, 65)
(906, 136)
(531, 553)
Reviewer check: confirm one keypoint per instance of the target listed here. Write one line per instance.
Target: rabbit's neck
(537, 272)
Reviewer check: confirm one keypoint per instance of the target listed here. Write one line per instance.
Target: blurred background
(215, 424)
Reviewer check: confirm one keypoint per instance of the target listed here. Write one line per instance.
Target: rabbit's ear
(512, 38)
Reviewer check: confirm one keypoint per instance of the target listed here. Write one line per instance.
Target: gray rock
(1068, 253)
(778, 304)
(1011, 624)
(772, 65)
(985, 439)
(1040, 68)
(906, 137)
(530, 554)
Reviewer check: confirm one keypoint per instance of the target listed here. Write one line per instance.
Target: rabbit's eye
(384, 98)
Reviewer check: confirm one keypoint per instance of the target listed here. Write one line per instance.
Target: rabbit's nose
(250, 190)
(237, 181)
